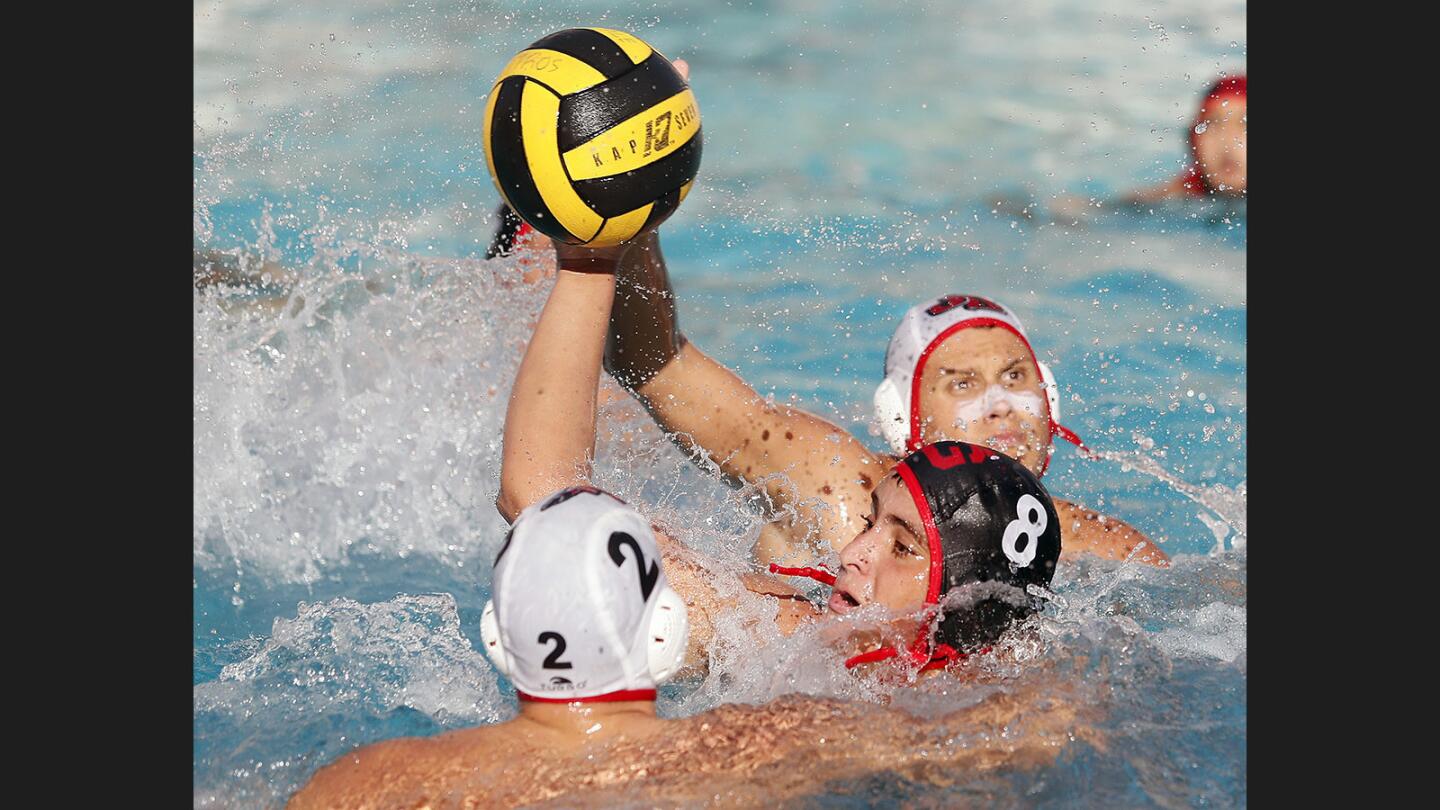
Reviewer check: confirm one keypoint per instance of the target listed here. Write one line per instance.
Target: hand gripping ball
(592, 136)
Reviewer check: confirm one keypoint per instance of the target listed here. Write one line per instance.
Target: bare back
(749, 755)
(419, 772)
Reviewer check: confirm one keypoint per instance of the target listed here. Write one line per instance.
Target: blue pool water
(858, 158)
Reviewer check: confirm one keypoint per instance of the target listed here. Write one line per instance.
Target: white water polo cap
(923, 328)
(580, 608)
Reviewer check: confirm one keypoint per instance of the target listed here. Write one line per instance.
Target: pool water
(858, 159)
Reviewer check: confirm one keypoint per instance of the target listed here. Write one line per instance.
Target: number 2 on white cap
(1029, 526)
(618, 540)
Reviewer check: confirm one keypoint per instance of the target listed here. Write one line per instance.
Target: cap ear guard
(1052, 397)
(669, 635)
(490, 635)
(1052, 391)
(890, 414)
(895, 424)
(665, 645)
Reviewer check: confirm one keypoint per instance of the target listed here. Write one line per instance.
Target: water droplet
(1200, 128)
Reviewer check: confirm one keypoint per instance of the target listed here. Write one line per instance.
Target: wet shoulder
(753, 736)
(743, 755)
(360, 778)
(405, 769)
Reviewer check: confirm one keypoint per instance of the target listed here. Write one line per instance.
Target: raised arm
(1168, 190)
(550, 423)
(1075, 208)
(705, 407)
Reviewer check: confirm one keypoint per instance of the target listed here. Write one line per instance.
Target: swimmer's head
(513, 233)
(581, 609)
(959, 527)
(961, 368)
(509, 229)
(1217, 140)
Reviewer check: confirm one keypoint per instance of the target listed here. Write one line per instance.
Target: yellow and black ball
(592, 136)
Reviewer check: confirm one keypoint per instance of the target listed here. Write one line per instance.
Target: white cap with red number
(580, 608)
(924, 327)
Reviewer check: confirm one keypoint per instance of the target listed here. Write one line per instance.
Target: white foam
(334, 659)
(1216, 630)
(361, 408)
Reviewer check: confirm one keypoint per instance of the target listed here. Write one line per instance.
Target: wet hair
(508, 228)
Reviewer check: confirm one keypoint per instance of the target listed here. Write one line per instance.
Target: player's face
(982, 386)
(1220, 150)
(889, 562)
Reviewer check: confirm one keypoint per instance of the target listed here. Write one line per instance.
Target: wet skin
(814, 477)
(1220, 150)
(888, 562)
(733, 755)
(958, 373)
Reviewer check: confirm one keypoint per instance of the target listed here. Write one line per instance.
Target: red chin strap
(1057, 429)
(943, 655)
(817, 574)
(919, 653)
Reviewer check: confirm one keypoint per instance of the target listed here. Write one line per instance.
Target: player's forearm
(707, 408)
(704, 405)
(550, 422)
(644, 330)
(1164, 191)
(816, 476)
(1084, 530)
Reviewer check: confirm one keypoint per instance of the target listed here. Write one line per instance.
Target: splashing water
(399, 664)
(349, 399)
(1226, 504)
(347, 448)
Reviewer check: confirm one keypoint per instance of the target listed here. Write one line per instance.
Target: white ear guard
(1052, 391)
(490, 636)
(669, 635)
(894, 421)
(890, 414)
(666, 643)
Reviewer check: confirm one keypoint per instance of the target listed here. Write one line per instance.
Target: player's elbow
(509, 503)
